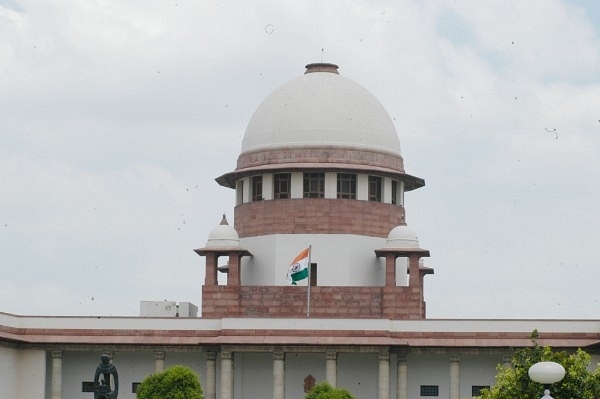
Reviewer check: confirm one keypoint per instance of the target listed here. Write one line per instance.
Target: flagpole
(308, 291)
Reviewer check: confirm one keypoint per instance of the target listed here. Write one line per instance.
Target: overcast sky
(116, 116)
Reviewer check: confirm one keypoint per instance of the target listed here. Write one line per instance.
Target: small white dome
(223, 236)
(402, 237)
(321, 108)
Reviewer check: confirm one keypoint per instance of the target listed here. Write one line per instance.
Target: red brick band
(317, 216)
(333, 155)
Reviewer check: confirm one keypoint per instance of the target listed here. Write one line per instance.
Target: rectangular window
(313, 274)
(374, 188)
(394, 192)
(429, 390)
(282, 183)
(87, 386)
(346, 185)
(134, 386)
(476, 389)
(314, 185)
(257, 188)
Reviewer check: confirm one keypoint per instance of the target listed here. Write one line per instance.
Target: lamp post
(546, 373)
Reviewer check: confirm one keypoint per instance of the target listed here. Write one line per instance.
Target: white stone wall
(297, 367)
(358, 373)
(131, 366)
(9, 372)
(342, 259)
(22, 373)
(26, 374)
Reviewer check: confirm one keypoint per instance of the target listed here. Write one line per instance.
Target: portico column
(507, 361)
(331, 368)
(278, 375)
(454, 376)
(210, 391)
(56, 388)
(233, 273)
(384, 376)
(226, 375)
(159, 362)
(390, 270)
(210, 277)
(402, 387)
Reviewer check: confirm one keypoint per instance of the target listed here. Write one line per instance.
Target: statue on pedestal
(102, 381)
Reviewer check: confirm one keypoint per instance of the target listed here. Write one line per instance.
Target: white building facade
(320, 167)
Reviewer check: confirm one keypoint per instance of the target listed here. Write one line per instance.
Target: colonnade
(331, 357)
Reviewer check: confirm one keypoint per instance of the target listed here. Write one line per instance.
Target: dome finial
(224, 221)
(321, 67)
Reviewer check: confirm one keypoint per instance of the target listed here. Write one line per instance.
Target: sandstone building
(320, 166)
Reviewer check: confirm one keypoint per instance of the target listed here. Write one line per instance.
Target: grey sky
(116, 116)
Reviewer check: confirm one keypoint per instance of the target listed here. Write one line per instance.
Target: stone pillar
(454, 376)
(331, 368)
(159, 362)
(384, 376)
(233, 273)
(507, 361)
(226, 375)
(211, 269)
(402, 387)
(56, 388)
(278, 375)
(414, 279)
(210, 389)
(390, 270)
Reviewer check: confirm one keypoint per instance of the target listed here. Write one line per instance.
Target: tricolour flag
(299, 268)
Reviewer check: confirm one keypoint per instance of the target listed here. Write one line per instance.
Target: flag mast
(308, 291)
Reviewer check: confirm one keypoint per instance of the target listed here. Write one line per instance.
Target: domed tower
(320, 166)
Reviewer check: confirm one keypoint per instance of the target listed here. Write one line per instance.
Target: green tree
(176, 382)
(514, 382)
(325, 391)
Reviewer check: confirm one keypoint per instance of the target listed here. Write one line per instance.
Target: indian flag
(299, 268)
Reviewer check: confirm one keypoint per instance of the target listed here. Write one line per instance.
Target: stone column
(226, 375)
(390, 270)
(233, 273)
(454, 376)
(402, 387)
(210, 390)
(384, 376)
(212, 260)
(413, 270)
(56, 388)
(278, 375)
(159, 362)
(507, 361)
(331, 368)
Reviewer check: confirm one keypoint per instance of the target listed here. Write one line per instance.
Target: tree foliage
(176, 382)
(514, 382)
(325, 391)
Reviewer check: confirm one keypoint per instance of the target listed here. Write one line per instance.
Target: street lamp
(546, 373)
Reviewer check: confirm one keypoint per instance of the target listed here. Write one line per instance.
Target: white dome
(321, 108)
(402, 237)
(223, 236)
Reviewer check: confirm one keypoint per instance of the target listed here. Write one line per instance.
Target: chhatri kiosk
(320, 167)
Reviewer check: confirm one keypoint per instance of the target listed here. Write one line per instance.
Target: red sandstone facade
(317, 216)
(388, 302)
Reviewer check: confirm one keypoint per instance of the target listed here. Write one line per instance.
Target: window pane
(429, 390)
(257, 188)
(282, 185)
(314, 185)
(374, 188)
(346, 185)
(476, 389)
